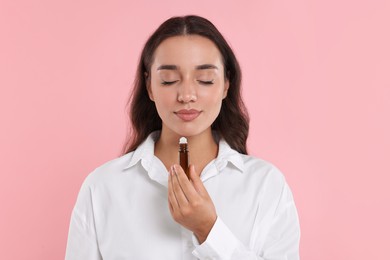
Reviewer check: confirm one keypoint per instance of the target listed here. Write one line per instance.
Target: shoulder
(257, 168)
(115, 170)
(252, 167)
(268, 180)
(256, 165)
(108, 170)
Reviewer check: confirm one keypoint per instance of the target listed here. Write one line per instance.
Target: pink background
(316, 82)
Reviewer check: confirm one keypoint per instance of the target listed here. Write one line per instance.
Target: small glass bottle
(183, 155)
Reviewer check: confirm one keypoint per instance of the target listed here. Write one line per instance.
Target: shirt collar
(228, 155)
(145, 154)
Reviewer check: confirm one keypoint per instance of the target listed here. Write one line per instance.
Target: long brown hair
(232, 123)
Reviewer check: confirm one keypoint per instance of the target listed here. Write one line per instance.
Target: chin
(188, 129)
(189, 132)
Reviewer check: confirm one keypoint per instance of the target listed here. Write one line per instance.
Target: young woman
(142, 205)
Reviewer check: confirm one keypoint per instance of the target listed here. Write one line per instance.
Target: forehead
(188, 50)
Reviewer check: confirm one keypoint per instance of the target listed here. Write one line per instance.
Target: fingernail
(175, 169)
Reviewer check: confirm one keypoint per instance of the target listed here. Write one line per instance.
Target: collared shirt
(122, 211)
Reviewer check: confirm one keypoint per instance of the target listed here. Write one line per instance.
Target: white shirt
(122, 211)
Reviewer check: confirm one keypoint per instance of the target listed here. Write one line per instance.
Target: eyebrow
(167, 67)
(199, 67)
(206, 67)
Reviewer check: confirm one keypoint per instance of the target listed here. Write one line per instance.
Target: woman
(142, 205)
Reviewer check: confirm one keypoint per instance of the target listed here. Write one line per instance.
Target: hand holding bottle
(190, 203)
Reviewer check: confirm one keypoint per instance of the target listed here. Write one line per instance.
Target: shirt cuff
(220, 243)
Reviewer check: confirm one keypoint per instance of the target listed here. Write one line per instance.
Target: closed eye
(168, 82)
(206, 82)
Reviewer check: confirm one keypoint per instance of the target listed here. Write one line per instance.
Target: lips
(188, 115)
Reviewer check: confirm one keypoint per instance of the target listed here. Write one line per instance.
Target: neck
(202, 149)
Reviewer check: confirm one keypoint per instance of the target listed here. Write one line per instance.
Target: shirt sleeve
(281, 242)
(82, 240)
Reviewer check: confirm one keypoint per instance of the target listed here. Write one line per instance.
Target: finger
(171, 196)
(171, 207)
(185, 183)
(196, 181)
(177, 190)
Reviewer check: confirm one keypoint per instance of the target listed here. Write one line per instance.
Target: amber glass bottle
(183, 155)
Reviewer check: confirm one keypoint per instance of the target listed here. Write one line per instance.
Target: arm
(216, 240)
(281, 243)
(82, 241)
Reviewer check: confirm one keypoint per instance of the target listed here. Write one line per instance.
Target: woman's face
(187, 84)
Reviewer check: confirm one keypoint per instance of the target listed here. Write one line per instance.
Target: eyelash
(167, 83)
(210, 82)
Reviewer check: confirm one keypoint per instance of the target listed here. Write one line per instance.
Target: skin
(188, 73)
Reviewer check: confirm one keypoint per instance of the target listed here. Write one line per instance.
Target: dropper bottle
(183, 155)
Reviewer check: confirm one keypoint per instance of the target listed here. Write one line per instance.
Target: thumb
(196, 181)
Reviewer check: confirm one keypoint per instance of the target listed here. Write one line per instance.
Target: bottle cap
(183, 140)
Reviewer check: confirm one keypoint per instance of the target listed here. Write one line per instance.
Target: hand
(190, 203)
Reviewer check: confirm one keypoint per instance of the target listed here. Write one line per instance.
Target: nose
(187, 92)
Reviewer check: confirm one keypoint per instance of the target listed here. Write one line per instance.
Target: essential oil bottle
(183, 155)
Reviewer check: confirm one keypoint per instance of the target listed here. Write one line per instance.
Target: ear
(148, 88)
(226, 88)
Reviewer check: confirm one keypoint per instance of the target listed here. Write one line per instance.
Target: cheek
(163, 99)
(213, 95)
